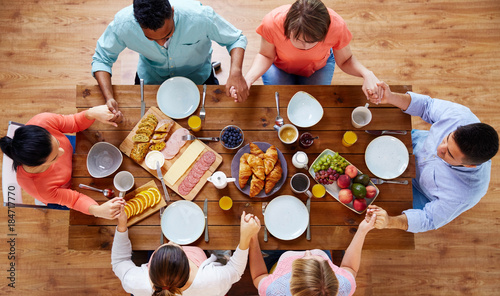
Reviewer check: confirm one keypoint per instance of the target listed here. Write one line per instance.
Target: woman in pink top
(309, 273)
(42, 158)
(300, 44)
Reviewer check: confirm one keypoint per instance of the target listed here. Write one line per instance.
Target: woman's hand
(108, 210)
(122, 220)
(250, 226)
(103, 114)
(371, 89)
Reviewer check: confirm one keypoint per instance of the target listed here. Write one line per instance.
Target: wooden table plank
(260, 95)
(226, 238)
(322, 214)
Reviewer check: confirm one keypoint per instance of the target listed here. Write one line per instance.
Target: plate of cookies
(260, 169)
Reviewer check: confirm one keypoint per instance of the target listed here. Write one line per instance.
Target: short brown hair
(309, 19)
(313, 278)
(168, 270)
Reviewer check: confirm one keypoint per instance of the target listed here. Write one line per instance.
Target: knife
(308, 206)
(158, 170)
(205, 212)
(143, 104)
(379, 133)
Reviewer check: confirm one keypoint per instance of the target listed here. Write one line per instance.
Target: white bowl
(103, 160)
(178, 97)
(304, 110)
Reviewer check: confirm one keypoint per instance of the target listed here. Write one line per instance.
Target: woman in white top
(176, 270)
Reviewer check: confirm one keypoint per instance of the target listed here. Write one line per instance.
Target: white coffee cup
(123, 181)
(300, 184)
(361, 116)
(299, 160)
(288, 133)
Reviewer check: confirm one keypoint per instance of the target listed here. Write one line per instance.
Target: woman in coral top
(42, 158)
(309, 273)
(300, 44)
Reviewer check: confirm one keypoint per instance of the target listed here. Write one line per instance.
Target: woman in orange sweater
(42, 158)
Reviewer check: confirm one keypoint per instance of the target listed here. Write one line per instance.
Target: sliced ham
(174, 143)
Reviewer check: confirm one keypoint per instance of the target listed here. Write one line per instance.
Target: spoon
(107, 192)
(279, 120)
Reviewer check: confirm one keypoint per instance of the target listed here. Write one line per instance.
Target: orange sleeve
(63, 123)
(338, 31)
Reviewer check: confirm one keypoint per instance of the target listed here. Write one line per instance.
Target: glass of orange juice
(225, 203)
(349, 138)
(318, 190)
(194, 123)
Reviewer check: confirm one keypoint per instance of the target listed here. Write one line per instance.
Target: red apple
(359, 204)
(345, 196)
(371, 191)
(344, 181)
(351, 171)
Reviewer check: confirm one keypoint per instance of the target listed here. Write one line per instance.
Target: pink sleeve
(63, 123)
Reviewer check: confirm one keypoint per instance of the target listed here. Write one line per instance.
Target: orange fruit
(151, 197)
(144, 198)
(137, 206)
(131, 207)
(157, 194)
(127, 211)
(143, 204)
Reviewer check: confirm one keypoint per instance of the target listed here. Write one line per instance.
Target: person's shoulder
(124, 16)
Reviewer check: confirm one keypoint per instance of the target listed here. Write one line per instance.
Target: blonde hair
(313, 278)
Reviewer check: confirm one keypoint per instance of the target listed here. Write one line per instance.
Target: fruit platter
(344, 181)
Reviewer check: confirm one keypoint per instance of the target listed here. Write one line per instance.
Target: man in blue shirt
(453, 162)
(171, 41)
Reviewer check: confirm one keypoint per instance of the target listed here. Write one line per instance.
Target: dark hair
(313, 278)
(151, 14)
(309, 19)
(478, 141)
(31, 145)
(168, 270)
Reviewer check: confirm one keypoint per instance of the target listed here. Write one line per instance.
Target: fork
(264, 205)
(380, 181)
(202, 111)
(191, 137)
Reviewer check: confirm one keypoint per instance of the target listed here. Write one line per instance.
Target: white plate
(183, 222)
(286, 217)
(386, 157)
(304, 110)
(178, 97)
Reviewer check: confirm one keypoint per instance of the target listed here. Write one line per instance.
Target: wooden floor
(448, 49)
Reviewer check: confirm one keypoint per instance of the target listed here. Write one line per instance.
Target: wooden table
(332, 224)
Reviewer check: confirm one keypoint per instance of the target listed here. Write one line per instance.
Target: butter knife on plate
(308, 206)
(380, 133)
(143, 104)
(205, 212)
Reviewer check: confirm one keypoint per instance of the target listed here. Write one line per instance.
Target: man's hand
(382, 219)
(122, 220)
(113, 108)
(237, 88)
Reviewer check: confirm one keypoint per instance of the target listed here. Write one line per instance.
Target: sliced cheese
(183, 162)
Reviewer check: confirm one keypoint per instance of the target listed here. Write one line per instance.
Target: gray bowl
(103, 160)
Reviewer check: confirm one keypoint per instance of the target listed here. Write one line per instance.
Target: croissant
(245, 171)
(257, 165)
(256, 186)
(273, 177)
(255, 150)
(270, 158)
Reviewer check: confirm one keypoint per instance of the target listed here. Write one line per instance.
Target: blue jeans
(276, 76)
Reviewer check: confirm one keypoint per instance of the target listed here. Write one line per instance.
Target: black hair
(151, 14)
(31, 145)
(478, 141)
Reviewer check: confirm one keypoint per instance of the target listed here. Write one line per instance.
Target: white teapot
(220, 180)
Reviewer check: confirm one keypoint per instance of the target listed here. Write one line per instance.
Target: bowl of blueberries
(231, 137)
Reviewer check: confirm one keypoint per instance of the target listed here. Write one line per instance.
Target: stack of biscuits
(150, 135)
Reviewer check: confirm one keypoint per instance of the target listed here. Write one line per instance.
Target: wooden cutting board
(149, 211)
(127, 144)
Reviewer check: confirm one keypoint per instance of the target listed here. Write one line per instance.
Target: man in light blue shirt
(453, 162)
(171, 41)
